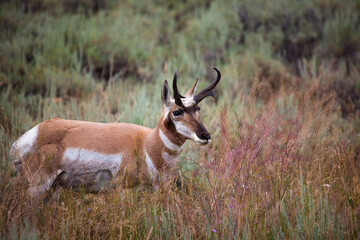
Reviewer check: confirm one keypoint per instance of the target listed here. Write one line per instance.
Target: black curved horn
(208, 91)
(177, 95)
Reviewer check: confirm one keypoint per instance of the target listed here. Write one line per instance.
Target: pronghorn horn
(191, 91)
(177, 95)
(208, 91)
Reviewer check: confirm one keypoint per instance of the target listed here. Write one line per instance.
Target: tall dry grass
(284, 161)
(282, 169)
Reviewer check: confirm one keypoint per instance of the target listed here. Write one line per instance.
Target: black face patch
(192, 109)
(169, 124)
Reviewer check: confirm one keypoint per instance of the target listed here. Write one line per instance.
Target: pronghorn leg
(41, 169)
(101, 182)
(40, 183)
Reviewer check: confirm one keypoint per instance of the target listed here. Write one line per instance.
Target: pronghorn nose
(205, 136)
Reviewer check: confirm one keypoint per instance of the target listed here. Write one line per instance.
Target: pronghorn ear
(165, 94)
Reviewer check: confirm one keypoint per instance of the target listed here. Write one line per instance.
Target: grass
(284, 157)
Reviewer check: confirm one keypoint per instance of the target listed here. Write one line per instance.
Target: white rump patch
(25, 144)
(170, 160)
(81, 161)
(150, 165)
(188, 101)
(169, 144)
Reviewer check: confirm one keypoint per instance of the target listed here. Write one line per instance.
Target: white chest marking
(150, 165)
(77, 160)
(169, 144)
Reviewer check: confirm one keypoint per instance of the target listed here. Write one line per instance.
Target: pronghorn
(73, 153)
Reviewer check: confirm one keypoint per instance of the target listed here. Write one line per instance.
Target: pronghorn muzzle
(203, 134)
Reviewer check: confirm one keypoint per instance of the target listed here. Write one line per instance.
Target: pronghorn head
(182, 112)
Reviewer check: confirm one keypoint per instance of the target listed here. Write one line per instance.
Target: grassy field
(284, 162)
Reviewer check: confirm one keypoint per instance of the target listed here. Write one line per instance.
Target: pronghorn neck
(164, 144)
(167, 128)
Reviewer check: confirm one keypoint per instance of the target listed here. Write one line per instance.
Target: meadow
(284, 161)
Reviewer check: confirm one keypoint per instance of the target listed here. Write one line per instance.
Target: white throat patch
(169, 144)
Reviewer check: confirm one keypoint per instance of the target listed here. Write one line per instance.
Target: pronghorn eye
(197, 108)
(178, 113)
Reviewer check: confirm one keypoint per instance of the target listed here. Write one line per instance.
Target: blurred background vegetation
(65, 48)
(105, 60)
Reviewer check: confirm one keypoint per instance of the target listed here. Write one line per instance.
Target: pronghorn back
(108, 138)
